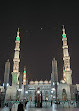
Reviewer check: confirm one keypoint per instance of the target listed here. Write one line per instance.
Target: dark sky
(40, 24)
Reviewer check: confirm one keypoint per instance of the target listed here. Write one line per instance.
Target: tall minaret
(16, 60)
(24, 77)
(24, 80)
(6, 74)
(67, 72)
(54, 74)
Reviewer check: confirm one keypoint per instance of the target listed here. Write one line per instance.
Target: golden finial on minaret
(18, 29)
(18, 33)
(63, 30)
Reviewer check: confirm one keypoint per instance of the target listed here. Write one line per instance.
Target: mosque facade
(42, 90)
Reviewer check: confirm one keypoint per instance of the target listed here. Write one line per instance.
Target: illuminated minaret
(24, 76)
(24, 80)
(6, 74)
(67, 72)
(54, 74)
(16, 60)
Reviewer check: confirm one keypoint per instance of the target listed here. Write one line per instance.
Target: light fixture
(53, 89)
(38, 92)
(3, 84)
(26, 92)
(19, 89)
(7, 84)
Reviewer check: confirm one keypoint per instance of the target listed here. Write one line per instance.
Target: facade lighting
(3, 84)
(19, 89)
(53, 83)
(38, 92)
(26, 92)
(53, 89)
(7, 84)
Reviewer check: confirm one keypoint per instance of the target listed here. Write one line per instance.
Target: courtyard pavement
(51, 109)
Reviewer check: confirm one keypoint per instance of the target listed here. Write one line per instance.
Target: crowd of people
(15, 106)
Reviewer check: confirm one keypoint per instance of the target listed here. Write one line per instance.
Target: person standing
(25, 103)
(10, 105)
(20, 107)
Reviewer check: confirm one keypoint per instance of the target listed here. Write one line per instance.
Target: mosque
(41, 90)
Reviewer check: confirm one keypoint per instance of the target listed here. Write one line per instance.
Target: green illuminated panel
(63, 70)
(18, 38)
(14, 78)
(24, 71)
(64, 36)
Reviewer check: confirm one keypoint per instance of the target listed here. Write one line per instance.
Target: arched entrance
(64, 95)
(38, 98)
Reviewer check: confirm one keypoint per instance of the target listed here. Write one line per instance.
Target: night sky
(40, 24)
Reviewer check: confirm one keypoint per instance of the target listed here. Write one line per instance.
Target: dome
(41, 82)
(50, 82)
(31, 82)
(46, 82)
(36, 82)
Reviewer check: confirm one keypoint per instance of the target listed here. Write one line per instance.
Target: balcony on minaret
(17, 49)
(16, 60)
(17, 38)
(15, 69)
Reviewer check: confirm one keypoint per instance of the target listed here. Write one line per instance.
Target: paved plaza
(51, 109)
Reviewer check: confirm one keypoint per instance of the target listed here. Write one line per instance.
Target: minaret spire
(18, 33)
(67, 72)
(16, 60)
(64, 35)
(63, 30)
(18, 29)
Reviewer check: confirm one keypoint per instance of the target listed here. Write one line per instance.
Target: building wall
(46, 91)
(62, 86)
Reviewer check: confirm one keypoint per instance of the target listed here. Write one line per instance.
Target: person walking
(20, 107)
(10, 105)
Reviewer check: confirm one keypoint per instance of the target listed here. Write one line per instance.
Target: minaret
(20, 80)
(6, 74)
(16, 60)
(24, 77)
(54, 74)
(67, 72)
(24, 80)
